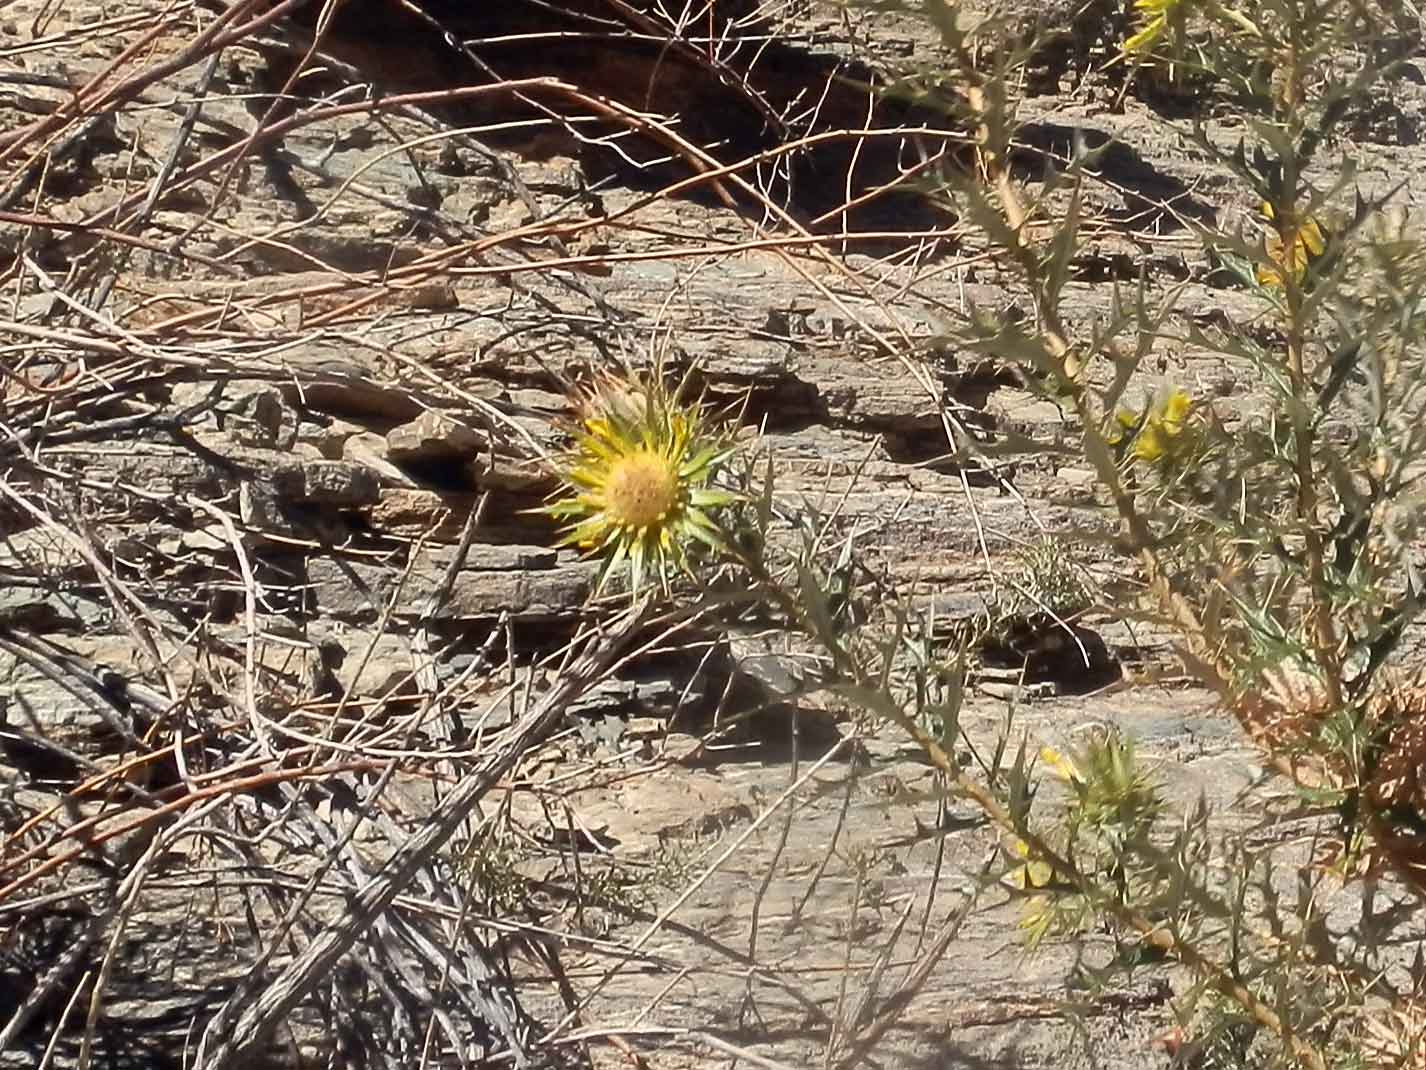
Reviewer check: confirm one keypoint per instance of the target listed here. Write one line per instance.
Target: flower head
(1062, 765)
(1304, 245)
(1158, 434)
(1157, 18)
(635, 482)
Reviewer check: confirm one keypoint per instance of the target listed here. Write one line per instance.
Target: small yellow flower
(1032, 874)
(1158, 433)
(1061, 764)
(1307, 244)
(1126, 422)
(1164, 427)
(635, 483)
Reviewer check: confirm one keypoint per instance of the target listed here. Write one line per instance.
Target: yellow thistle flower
(1308, 243)
(1163, 427)
(1159, 432)
(635, 481)
(1033, 875)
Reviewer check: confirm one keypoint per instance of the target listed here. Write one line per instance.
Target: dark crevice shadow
(143, 1036)
(1145, 188)
(758, 95)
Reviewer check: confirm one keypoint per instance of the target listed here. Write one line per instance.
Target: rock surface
(237, 479)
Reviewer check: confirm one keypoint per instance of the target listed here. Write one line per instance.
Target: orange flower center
(640, 490)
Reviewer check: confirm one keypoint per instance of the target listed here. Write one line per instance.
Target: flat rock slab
(527, 583)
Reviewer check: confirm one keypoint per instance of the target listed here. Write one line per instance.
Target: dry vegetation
(320, 748)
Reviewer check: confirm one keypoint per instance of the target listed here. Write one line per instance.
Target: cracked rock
(337, 483)
(360, 589)
(433, 437)
(251, 412)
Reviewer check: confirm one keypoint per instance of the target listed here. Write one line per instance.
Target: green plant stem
(1155, 935)
(1237, 18)
(1327, 648)
(847, 666)
(1067, 370)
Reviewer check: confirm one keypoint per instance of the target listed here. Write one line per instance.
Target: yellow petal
(1150, 445)
(1062, 766)
(1269, 277)
(1176, 408)
(1145, 39)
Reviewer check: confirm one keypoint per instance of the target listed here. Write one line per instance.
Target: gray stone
(341, 484)
(212, 538)
(260, 510)
(523, 594)
(495, 557)
(433, 437)
(289, 668)
(776, 672)
(329, 437)
(366, 664)
(251, 412)
(412, 513)
(39, 551)
(360, 589)
(340, 387)
(45, 709)
(151, 467)
(647, 690)
(369, 450)
(951, 611)
(514, 474)
(38, 609)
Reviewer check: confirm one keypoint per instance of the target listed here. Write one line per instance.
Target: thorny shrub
(1279, 542)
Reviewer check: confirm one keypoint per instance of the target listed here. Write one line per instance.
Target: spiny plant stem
(1055, 339)
(1290, 222)
(848, 666)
